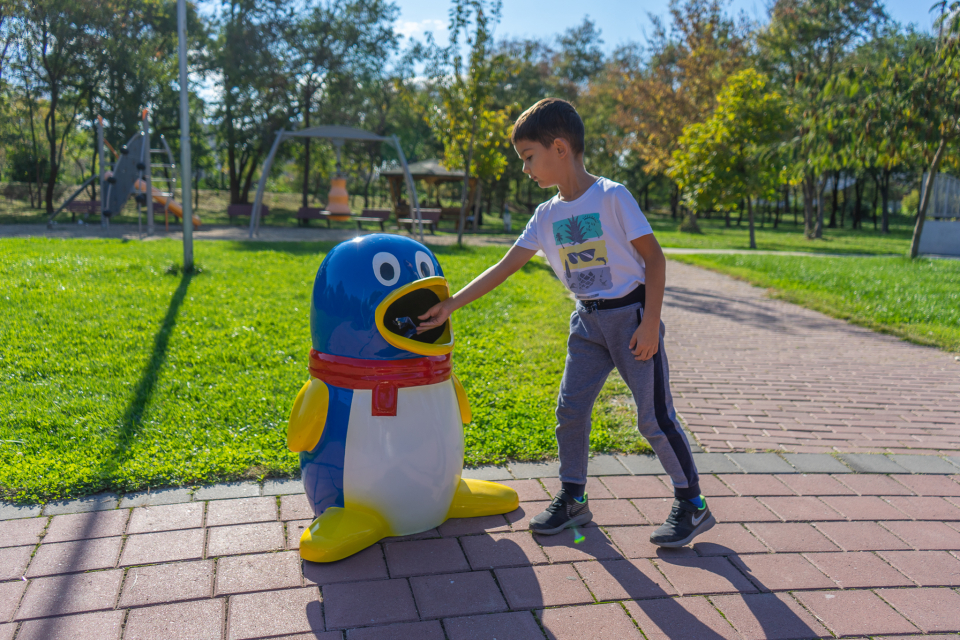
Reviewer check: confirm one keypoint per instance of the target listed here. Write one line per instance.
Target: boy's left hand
(645, 341)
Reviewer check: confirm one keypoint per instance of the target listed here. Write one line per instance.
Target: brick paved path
(795, 556)
(749, 372)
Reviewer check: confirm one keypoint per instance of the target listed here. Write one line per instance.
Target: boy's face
(543, 164)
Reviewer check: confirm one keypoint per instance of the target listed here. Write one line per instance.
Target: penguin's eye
(424, 264)
(387, 268)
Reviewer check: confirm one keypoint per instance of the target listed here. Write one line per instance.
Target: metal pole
(185, 162)
(413, 189)
(148, 173)
(103, 196)
(264, 172)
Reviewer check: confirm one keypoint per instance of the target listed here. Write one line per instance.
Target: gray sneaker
(564, 512)
(684, 523)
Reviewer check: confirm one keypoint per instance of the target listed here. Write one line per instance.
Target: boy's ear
(562, 147)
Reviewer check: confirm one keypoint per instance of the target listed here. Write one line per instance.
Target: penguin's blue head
(368, 295)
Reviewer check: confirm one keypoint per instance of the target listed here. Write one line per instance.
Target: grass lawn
(916, 300)
(118, 372)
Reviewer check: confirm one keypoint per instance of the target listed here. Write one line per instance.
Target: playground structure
(338, 205)
(941, 230)
(132, 174)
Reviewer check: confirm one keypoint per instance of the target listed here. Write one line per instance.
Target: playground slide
(165, 200)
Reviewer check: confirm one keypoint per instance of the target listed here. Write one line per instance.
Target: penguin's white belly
(407, 467)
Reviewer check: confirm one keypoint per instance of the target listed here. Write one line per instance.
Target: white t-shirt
(587, 241)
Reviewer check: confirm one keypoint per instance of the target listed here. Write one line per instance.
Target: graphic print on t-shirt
(584, 262)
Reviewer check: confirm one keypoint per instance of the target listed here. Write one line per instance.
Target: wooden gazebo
(432, 172)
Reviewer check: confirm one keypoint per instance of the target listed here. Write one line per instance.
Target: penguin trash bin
(379, 424)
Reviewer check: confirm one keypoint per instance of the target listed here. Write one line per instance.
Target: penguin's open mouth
(399, 314)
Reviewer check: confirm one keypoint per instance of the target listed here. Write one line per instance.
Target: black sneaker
(684, 523)
(563, 512)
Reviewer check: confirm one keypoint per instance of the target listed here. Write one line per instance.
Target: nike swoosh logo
(697, 520)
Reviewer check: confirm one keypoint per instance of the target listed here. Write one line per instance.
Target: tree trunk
(674, 201)
(466, 185)
(477, 194)
(809, 191)
(833, 206)
(753, 237)
(305, 195)
(876, 192)
(858, 204)
(843, 208)
(925, 199)
(51, 128)
(885, 200)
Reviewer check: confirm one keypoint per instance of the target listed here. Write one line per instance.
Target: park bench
(245, 210)
(430, 218)
(372, 215)
(305, 214)
(84, 206)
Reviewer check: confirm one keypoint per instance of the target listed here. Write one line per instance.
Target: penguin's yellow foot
(481, 498)
(339, 533)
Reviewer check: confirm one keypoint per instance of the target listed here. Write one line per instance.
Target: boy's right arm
(481, 285)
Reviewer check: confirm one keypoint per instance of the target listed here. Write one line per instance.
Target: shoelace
(557, 504)
(676, 514)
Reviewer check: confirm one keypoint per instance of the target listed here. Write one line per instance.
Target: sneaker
(563, 512)
(684, 523)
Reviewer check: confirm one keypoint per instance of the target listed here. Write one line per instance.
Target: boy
(602, 248)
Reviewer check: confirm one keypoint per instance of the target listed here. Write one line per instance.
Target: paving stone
(357, 604)
(241, 511)
(923, 464)
(930, 609)
(876, 485)
(714, 463)
(704, 576)
(98, 502)
(607, 465)
(455, 527)
(228, 490)
(258, 572)
(567, 547)
(83, 526)
(152, 519)
(861, 536)
(527, 490)
(727, 539)
(597, 622)
(761, 463)
(864, 508)
(785, 537)
(424, 557)
(282, 486)
(710, 487)
(10, 511)
(14, 561)
(63, 595)
(634, 542)
(615, 512)
(457, 594)
(737, 510)
(859, 569)
(103, 625)
(800, 508)
(68, 557)
(296, 507)
(769, 616)
(782, 572)
(925, 508)
(926, 568)
(656, 510)
(595, 489)
(642, 465)
(294, 531)
(542, 586)
(815, 485)
(201, 620)
(871, 463)
(515, 625)
(624, 580)
(816, 463)
(848, 613)
(535, 469)
(273, 613)
(930, 485)
(245, 538)
(925, 536)
(7, 631)
(519, 518)
(954, 460)
(757, 485)
(637, 487)
(502, 550)
(162, 583)
(429, 630)
(489, 472)
(361, 566)
(173, 495)
(671, 619)
(10, 593)
(164, 546)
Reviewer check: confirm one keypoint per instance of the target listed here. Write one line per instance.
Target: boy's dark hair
(548, 120)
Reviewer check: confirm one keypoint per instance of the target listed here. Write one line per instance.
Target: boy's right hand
(435, 315)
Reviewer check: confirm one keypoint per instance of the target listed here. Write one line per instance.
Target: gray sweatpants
(599, 341)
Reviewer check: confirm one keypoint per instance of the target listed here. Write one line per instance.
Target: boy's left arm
(646, 339)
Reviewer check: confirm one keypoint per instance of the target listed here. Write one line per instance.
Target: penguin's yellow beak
(399, 314)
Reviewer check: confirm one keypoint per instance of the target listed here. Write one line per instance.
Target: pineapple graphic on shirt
(583, 254)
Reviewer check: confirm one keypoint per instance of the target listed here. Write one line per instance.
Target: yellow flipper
(481, 498)
(308, 416)
(466, 416)
(339, 533)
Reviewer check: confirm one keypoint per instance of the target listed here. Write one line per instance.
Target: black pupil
(424, 269)
(386, 271)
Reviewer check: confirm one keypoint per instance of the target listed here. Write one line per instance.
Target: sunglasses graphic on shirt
(576, 257)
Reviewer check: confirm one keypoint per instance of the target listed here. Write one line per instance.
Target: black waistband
(635, 296)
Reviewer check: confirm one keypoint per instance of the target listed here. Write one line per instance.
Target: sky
(619, 21)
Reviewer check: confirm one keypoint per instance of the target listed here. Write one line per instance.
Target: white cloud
(416, 29)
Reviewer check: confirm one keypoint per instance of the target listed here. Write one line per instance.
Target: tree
(726, 159)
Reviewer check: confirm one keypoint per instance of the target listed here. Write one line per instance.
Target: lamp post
(185, 162)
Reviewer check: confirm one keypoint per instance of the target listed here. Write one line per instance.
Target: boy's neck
(576, 181)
